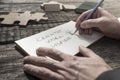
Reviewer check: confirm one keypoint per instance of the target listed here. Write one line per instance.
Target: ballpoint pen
(91, 13)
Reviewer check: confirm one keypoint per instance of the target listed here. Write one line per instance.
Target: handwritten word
(59, 43)
(49, 35)
(54, 38)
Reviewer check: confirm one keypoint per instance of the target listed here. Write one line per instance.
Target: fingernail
(25, 67)
(39, 51)
(26, 59)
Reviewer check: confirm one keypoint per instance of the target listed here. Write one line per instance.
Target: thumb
(90, 23)
(87, 52)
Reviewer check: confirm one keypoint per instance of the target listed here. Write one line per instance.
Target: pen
(91, 13)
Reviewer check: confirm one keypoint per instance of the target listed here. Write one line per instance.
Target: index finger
(52, 53)
(81, 18)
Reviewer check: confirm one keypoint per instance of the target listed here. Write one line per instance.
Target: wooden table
(11, 61)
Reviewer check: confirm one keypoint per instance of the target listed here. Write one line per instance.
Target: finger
(43, 62)
(86, 31)
(42, 72)
(87, 52)
(91, 23)
(90, 31)
(46, 63)
(52, 53)
(69, 76)
(96, 14)
(81, 31)
(81, 18)
(103, 12)
(78, 22)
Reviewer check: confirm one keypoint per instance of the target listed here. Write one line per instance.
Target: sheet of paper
(60, 38)
(119, 19)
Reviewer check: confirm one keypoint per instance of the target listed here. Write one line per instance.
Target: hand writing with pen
(66, 67)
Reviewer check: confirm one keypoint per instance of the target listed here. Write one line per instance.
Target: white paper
(59, 38)
(119, 19)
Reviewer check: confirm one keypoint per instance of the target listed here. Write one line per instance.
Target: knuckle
(43, 60)
(46, 61)
(55, 52)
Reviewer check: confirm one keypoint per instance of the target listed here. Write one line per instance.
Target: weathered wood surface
(11, 62)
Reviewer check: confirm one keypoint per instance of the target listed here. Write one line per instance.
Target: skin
(102, 21)
(65, 67)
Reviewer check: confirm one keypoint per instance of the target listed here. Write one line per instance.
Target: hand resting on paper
(102, 20)
(65, 67)
(68, 67)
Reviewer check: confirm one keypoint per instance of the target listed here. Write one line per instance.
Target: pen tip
(74, 32)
